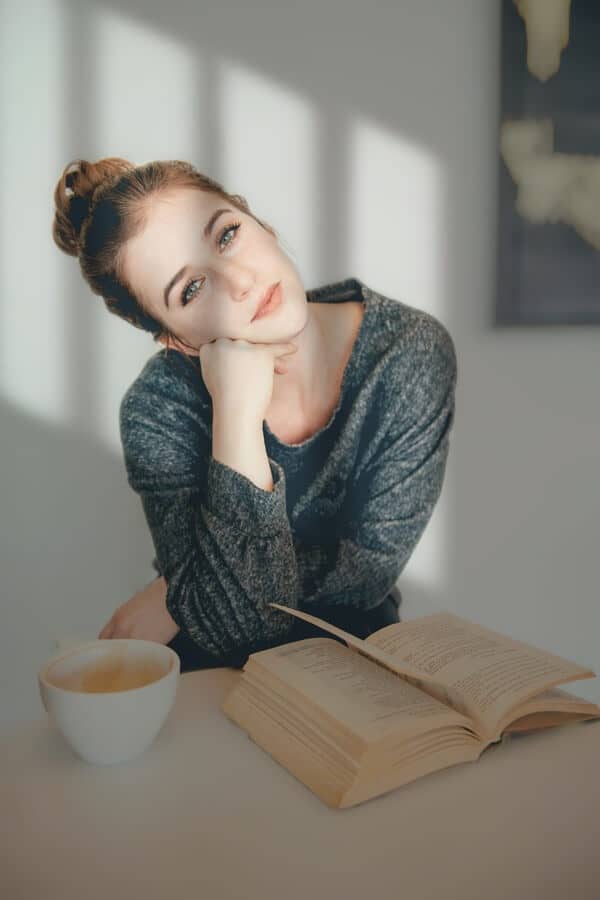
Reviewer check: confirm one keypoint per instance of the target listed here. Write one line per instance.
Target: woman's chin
(294, 325)
(287, 329)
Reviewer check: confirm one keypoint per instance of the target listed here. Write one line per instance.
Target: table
(204, 809)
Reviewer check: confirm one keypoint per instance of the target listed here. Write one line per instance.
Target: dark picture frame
(547, 272)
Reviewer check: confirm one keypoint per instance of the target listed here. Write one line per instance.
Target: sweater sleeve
(391, 501)
(223, 545)
(225, 557)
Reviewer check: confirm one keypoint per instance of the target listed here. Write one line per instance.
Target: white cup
(87, 692)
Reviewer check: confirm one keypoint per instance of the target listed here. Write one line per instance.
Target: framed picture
(548, 254)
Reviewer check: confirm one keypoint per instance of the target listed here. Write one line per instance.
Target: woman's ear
(173, 343)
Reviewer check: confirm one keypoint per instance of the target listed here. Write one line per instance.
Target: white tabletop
(205, 808)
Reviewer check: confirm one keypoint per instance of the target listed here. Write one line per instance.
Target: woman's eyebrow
(213, 219)
(207, 230)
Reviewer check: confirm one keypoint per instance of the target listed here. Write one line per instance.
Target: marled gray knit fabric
(349, 504)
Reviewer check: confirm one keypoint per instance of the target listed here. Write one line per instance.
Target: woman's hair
(100, 206)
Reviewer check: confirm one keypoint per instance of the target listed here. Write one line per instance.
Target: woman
(288, 446)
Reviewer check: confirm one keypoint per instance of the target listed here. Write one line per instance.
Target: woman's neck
(310, 389)
(296, 390)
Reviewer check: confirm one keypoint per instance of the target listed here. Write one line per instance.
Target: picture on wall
(548, 253)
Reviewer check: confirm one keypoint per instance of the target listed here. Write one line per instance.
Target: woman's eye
(187, 294)
(233, 227)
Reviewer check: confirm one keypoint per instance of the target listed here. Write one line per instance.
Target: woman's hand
(238, 374)
(144, 616)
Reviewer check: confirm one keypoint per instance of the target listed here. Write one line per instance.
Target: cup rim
(42, 672)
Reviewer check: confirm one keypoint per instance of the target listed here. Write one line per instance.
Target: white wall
(366, 133)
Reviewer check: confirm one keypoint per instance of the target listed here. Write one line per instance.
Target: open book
(352, 722)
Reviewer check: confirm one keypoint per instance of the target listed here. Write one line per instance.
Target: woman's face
(202, 286)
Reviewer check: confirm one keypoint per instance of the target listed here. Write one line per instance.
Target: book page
(550, 709)
(363, 696)
(486, 673)
(427, 683)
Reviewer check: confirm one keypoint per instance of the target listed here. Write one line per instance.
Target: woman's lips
(272, 304)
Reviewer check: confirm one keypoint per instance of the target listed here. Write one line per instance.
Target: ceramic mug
(110, 698)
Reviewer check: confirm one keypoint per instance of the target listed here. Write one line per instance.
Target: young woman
(287, 445)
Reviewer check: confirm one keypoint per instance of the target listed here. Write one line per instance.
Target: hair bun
(75, 192)
(79, 208)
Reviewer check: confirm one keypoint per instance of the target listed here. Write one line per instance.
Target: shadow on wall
(71, 525)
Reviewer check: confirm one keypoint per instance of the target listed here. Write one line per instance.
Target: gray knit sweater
(348, 505)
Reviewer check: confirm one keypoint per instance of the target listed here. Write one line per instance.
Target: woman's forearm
(239, 443)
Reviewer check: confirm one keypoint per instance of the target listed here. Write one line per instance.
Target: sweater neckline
(336, 292)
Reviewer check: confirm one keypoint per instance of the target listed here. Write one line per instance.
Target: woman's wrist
(238, 442)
